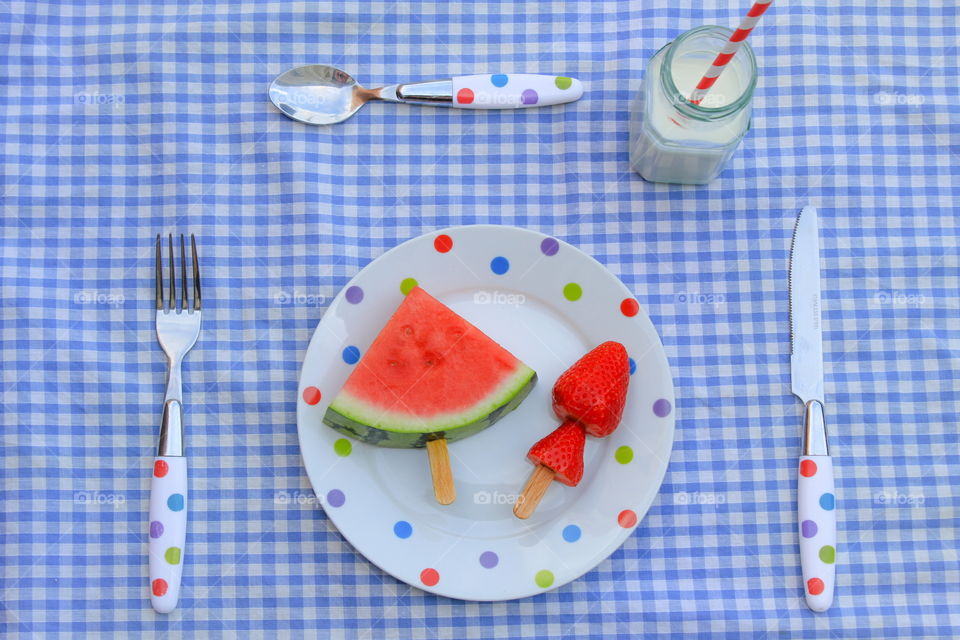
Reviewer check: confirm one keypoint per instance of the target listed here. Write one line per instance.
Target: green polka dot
(562, 83)
(342, 447)
(407, 285)
(172, 555)
(828, 554)
(544, 578)
(623, 454)
(572, 291)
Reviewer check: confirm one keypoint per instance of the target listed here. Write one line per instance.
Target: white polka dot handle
(168, 530)
(818, 530)
(514, 91)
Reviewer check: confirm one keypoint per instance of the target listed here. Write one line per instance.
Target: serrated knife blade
(806, 344)
(816, 498)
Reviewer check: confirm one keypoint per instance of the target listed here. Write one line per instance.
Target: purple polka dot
(549, 246)
(488, 559)
(354, 295)
(335, 498)
(529, 97)
(156, 529)
(808, 528)
(662, 407)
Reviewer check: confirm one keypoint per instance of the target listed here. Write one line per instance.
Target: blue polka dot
(828, 502)
(633, 365)
(499, 80)
(571, 533)
(403, 529)
(499, 265)
(175, 502)
(351, 355)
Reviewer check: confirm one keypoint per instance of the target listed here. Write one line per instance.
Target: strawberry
(562, 451)
(594, 390)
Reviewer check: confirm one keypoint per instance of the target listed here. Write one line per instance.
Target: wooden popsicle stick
(443, 487)
(533, 492)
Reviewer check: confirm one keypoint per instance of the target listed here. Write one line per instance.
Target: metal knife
(815, 490)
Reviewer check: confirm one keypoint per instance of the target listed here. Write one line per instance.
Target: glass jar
(674, 140)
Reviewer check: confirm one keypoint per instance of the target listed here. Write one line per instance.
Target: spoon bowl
(318, 94)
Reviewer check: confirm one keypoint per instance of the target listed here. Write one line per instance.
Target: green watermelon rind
(367, 425)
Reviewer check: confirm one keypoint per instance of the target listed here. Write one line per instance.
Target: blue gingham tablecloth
(122, 120)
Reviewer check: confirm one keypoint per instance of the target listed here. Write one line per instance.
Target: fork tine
(173, 276)
(183, 276)
(159, 269)
(196, 274)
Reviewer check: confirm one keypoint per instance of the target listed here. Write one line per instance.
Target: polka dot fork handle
(167, 530)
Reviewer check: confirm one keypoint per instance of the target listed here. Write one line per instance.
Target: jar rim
(695, 110)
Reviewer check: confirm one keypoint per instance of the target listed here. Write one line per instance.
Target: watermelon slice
(428, 375)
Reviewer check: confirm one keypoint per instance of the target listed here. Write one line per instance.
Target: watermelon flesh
(428, 374)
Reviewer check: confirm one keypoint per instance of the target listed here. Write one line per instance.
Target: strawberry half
(594, 390)
(562, 451)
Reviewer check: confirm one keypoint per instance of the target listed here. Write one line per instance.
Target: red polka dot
(465, 96)
(627, 518)
(160, 468)
(808, 468)
(311, 395)
(159, 586)
(443, 243)
(815, 586)
(629, 307)
(429, 577)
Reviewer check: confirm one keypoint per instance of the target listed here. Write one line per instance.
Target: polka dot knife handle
(818, 530)
(168, 530)
(503, 91)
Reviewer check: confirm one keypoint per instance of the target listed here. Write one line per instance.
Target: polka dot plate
(548, 303)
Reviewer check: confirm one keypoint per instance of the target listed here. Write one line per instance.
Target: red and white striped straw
(729, 50)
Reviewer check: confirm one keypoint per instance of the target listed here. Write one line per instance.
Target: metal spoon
(319, 94)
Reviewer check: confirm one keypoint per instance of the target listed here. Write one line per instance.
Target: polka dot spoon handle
(168, 530)
(513, 91)
(818, 530)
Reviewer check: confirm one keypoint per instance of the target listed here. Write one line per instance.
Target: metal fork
(177, 332)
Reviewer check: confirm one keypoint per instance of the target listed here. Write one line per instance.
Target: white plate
(515, 285)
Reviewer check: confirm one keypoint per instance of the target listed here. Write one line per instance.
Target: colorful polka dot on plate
(629, 307)
(311, 395)
(499, 265)
(342, 447)
(336, 498)
(662, 408)
(430, 577)
(407, 285)
(544, 578)
(402, 529)
(571, 533)
(627, 518)
(623, 455)
(354, 295)
(633, 366)
(549, 246)
(488, 559)
(443, 243)
(572, 291)
(351, 355)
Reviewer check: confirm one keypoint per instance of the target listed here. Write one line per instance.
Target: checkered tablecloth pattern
(121, 120)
